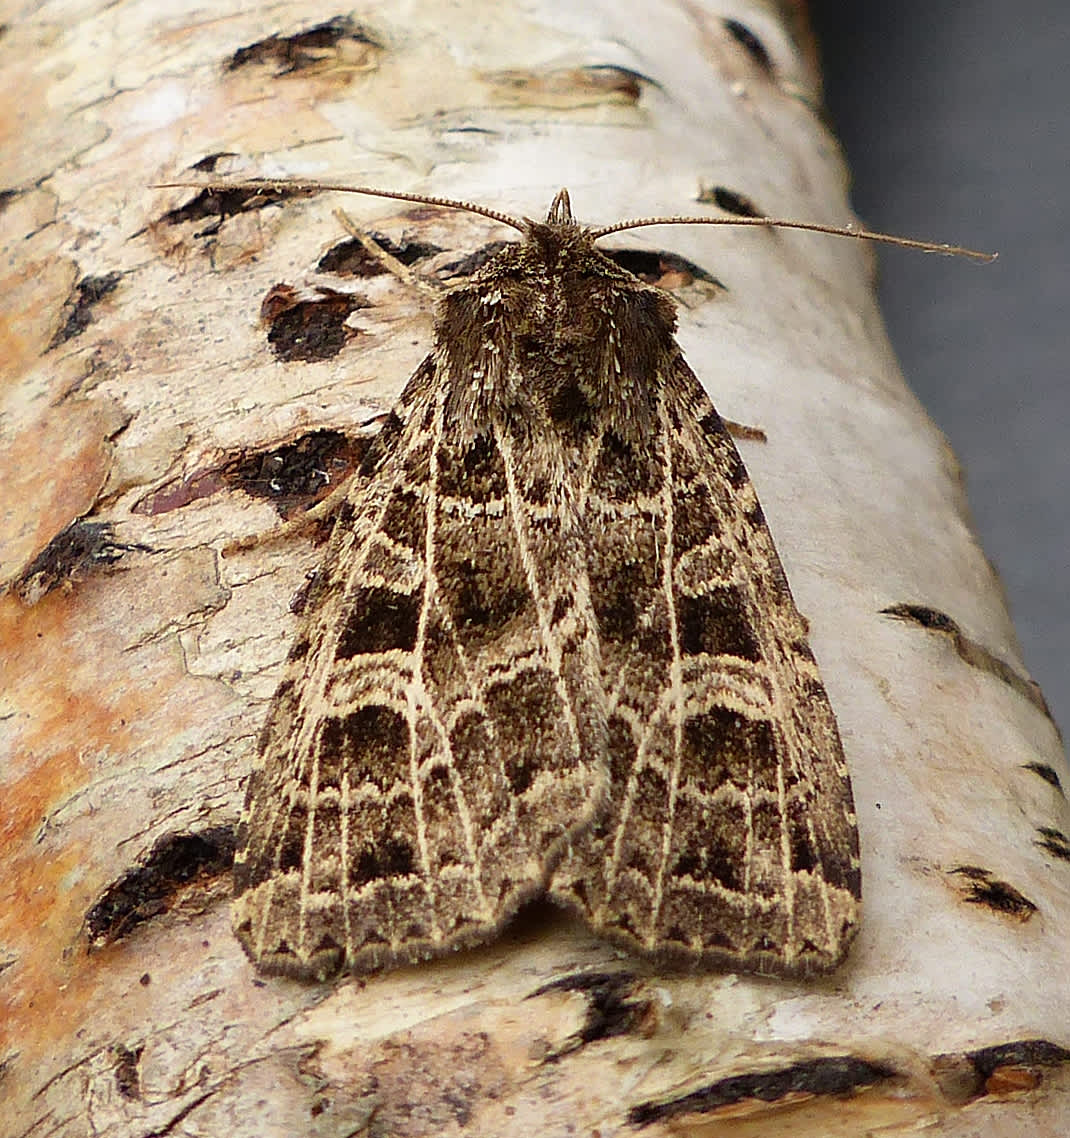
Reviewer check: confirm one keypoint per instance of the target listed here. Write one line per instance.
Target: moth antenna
(287, 186)
(809, 226)
(560, 213)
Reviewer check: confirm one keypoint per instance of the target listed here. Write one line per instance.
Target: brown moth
(551, 651)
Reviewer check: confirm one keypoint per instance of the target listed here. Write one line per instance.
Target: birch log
(173, 376)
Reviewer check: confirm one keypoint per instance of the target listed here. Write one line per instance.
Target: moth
(551, 651)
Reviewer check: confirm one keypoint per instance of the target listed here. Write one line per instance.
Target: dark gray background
(956, 123)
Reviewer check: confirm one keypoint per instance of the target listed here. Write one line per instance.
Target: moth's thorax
(554, 331)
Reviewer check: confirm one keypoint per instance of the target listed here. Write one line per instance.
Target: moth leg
(321, 511)
(326, 508)
(385, 258)
(745, 431)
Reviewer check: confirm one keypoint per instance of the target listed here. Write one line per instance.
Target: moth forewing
(552, 649)
(730, 837)
(730, 840)
(439, 736)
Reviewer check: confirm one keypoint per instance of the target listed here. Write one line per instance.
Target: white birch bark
(132, 698)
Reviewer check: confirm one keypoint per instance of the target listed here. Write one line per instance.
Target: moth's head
(561, 242)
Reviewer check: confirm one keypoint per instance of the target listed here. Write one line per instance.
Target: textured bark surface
(179, 377)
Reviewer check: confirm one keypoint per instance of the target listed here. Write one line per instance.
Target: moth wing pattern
(551, 649)
(730, 839)
(437, 738)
